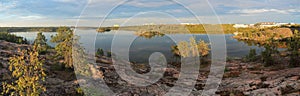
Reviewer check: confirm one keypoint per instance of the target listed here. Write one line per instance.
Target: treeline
(28, 29)
(12, 38)
(5, 32)
(212, 28)
(176, 28)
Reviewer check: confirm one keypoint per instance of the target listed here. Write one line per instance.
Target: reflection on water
(277, 44)
(149, 34)
(141, 48)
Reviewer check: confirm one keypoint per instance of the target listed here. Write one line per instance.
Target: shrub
(28, 73)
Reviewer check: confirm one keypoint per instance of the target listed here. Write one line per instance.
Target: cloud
(175, 10)
(149, 3)
(66, 12)
(65, 1)
(32, 17)
(259, 11)
(5, 5)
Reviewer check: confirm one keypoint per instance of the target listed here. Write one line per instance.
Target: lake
(142, 47)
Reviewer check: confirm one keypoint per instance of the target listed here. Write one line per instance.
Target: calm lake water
(141, 48)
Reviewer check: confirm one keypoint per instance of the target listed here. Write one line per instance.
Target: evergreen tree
(100, 52)
(294, 47)
(267, 56)
(108, 54)
(252, 55)
(64, 40)
(203, 48)
(186, 49)
(269, 50)
(41, 43)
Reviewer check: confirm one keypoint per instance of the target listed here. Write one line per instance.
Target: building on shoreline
(241, 25)
(272, 24)
(262, 25)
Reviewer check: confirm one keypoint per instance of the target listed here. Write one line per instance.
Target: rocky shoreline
(240, 78)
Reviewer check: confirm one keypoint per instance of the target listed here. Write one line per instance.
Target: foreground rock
(254, 80)
(240, 79)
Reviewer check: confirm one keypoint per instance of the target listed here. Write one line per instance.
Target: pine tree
(64, 40)
(203, 48)
(41, 43)
(294, 47)
(186, 49)
(252, 55)
(100, 52)
(28, 73)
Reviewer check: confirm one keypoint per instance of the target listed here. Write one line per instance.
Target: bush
(28, 73)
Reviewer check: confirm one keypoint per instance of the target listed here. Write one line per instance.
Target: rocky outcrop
(240, 79)
(254, 79)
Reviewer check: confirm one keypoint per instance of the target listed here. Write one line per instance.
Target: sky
(135, 12)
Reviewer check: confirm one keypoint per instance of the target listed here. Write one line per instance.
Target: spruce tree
(64, 40)
(41, 43)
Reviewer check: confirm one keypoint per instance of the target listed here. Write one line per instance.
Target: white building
(280, 24)
(116, 25)
(187, 24)
(271, 24)
(267, 24)
(240, 26)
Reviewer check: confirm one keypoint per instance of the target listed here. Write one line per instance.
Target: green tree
(64, 40)
(108, 54)
(28, 73)
(41, 43)
(100, 52)
(252, 55)
(294, 47)
(267, 55)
